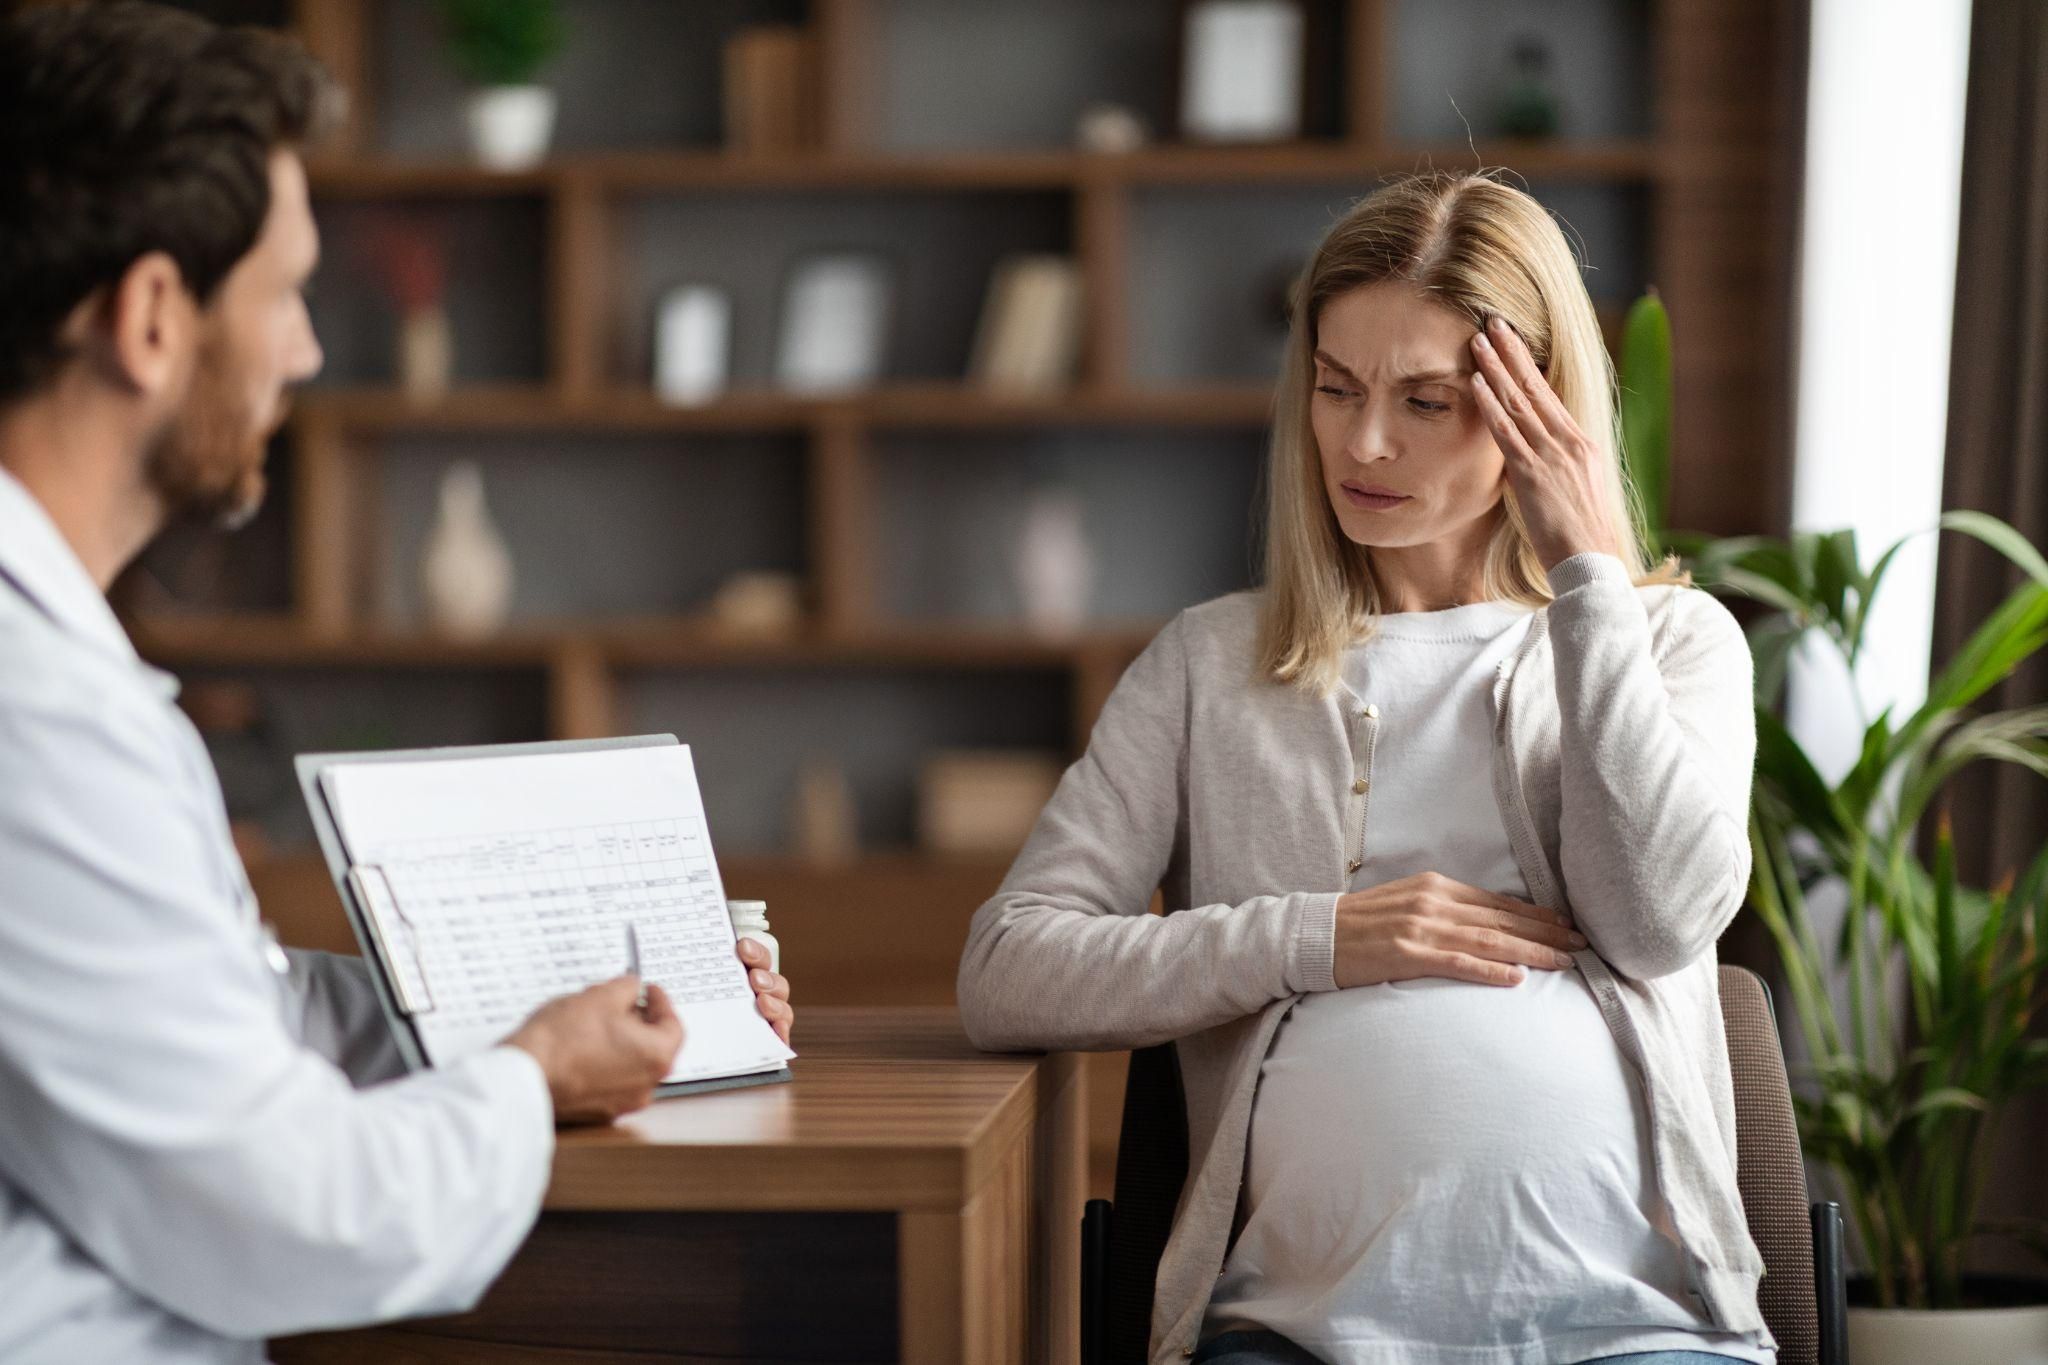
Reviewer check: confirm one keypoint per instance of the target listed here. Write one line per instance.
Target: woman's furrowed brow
(1412, 377)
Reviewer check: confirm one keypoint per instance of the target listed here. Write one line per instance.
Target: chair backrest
(1768, 1168)
(1152, 1165)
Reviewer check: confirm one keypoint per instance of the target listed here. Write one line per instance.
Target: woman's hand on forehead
(1559, 474)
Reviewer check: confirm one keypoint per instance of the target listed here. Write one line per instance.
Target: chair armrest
(1830, 1289)
(1096, 1218)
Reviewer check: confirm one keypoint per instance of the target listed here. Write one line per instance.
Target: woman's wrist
(1587, 566)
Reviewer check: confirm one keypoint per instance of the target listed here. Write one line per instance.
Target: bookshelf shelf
(642, 643)
(1617, 161)
(486, 408)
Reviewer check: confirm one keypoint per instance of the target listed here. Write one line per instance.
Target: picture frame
(837, 307)
(1243, 73)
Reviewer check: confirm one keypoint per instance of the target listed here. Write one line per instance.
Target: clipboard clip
(384, 915)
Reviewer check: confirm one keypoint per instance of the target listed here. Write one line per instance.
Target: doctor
(203, 1142)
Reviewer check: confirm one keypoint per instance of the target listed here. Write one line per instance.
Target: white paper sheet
(511, 880)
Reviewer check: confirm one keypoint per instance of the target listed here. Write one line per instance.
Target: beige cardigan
(1624, 743)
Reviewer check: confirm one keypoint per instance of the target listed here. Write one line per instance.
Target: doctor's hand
(601, 1055)
(1432, 925)
(771, 989)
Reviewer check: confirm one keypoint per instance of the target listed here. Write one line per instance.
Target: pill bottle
(750, 920)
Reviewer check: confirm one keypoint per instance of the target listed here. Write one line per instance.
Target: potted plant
(500, 46)
(1916, 1011)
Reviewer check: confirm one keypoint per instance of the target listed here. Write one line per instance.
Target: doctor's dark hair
(130, 128)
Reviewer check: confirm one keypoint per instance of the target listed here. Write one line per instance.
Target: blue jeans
(1270, 1348)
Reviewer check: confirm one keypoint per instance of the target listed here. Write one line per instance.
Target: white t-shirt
(1442, 1173)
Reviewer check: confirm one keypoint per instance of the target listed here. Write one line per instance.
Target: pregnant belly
(1432, 1073)
(1484, 1147)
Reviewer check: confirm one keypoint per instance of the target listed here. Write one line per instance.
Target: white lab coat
(187, 1164)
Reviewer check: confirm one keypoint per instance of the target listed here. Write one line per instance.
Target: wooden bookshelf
(646, 642)
(1703, 184)
(708, 171)
(367, 411)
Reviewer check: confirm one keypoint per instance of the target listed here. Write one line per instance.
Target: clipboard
(385, 976)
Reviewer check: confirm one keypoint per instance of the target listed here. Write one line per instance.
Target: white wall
(1877, 291)
(1877, 286)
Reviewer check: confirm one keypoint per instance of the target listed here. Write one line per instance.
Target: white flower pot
(510, 126)
(1957, 1336)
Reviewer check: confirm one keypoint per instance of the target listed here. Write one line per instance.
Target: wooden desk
(905, 1198)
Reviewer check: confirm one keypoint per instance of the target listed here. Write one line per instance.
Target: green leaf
(1945, 938)
(1771, 642)
(1783, 764)
(1769, 591)
(501, 42)
(1835, 571)
(1707, 556)
(1646, 401)
(2012, 633)
(1946, 1099)
(1863, 780)
(2001, 538)
(1849, 1117)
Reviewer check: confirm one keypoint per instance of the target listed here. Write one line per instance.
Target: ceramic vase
(465, 569)
(1055, 567)
(426, 354)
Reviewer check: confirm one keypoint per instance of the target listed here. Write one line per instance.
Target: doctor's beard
(206, 464)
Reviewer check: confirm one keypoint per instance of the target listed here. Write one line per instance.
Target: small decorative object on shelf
(465, 569)
(750, 920)
(692, 344)
(1055, 566)
(759, 603)
(981, 802)
(1110, 130)
(500, 46)
(1243, 69)
(1029, 339)
(770, 79)
(408, 258)
(426, 354)
(835, 324)
(826, 832)
(1528, 102)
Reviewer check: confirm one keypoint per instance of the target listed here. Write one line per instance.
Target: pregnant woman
(1448, 817)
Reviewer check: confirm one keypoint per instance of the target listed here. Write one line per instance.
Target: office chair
(1802, 1295)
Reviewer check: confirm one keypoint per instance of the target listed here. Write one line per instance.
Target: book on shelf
(1029, 337)
(770, 75)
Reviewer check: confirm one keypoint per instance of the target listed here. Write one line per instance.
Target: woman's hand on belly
(1432, 925)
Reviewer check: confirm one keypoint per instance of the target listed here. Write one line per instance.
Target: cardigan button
(1354, 865)
(1372, 711)
(1358, 787)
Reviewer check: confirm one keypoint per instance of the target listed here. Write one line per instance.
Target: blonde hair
(1475, 246)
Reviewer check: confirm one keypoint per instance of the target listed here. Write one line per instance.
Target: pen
(633, 964)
